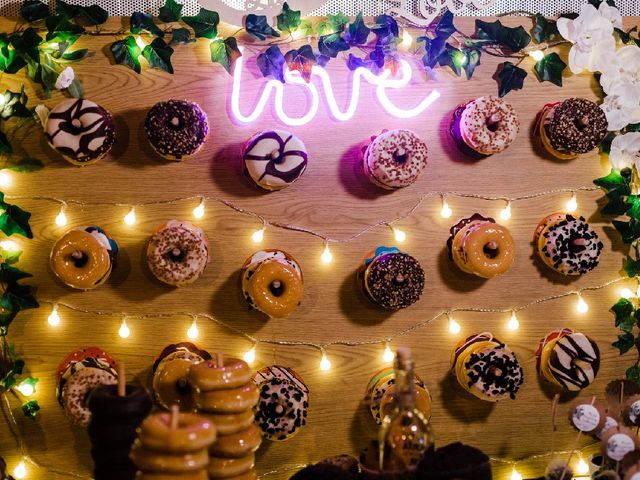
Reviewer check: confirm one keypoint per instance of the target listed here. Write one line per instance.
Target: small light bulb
(258, 235)
(515, 475)
(581, 305)
(454, 327)
(54, 317)
(407, 39)
(198, 212)
(140, 42)
(537, 55)
(399, 235)
(583, 467)
(327, 256)
(572, 204)
(388, 354)
(124, 330)
(130, 218)
(250, 355)
(26, 389)
(297, 35)
(627, 293)
(514, 323)
(505, 214)
(325, 363)
(61, 219)
(5, 177)
(20, 471)
(446, 212)
(193, 331)
(8, 245)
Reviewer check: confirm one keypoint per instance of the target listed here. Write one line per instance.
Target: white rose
(625, 151)
(622, 106)
(592, 38)
(42, 113)
(65, 78)
(623, 67)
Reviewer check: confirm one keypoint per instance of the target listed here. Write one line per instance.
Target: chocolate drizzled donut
(576, 125)
(394, 280)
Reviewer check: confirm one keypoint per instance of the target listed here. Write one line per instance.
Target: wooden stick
(122, 380)
(175, 411)
(219, 360)
(554, 411)
(575, 445)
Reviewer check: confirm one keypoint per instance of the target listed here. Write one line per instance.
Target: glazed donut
(237, 445)
(274, 159)
(567, 244)
(171, 384)
(208, 376)
(193, 433)
(105, 403)
(272, 282)
(176, 128)
(480, 246)
(392, 279)
(228, 423)
(187, 350)
(250, 475)
(77, 390)
(571, 127)
(197, 475)
(284, 402)
(84, 257)
(568, 359)
(154, 461)
(80, 130)
(234, 400)
(178, 253)
(486, 368)
(394, 159)
(230, 467)
(485, 126)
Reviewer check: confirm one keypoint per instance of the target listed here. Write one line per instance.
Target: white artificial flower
(610, 13)
(625, 151)
(65, 78)
(623, 67)
(42, 112)
(622, 106)
(592, 38)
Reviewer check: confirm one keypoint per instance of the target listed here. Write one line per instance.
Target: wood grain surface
(334, 198)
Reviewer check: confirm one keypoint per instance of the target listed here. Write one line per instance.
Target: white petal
(578, 60)
(43, 113)
(565, 27)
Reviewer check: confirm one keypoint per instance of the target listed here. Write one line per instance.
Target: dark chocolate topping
(277, 157)
(282, 408)
(395, 280)
(497, 370)
(576, 125)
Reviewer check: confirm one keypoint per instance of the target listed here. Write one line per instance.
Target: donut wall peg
(347, 277)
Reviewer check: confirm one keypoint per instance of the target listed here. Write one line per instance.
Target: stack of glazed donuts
(226, 395)
(173, 446)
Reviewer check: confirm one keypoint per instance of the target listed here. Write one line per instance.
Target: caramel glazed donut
(84, 257)
(272, 282)
(486, 368)
(178, 253)
(284, 402)
(480, 246)
(567, 244)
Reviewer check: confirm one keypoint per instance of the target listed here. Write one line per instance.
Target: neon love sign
(382, 83)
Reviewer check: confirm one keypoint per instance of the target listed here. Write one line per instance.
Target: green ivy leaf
(624, 312)
(204, 24)
(60, 24)
(48, 74)
(631, 267)
(181, 36)
(258, 27)
(26, 46)
(144, 21)
(5, 145)
(17, 367)
(634, 210)
(8, 56)
(14, 220)
(302, 60)
(18, 297)
(358, 32)
(158, 54)
(331, 45)
(445, 28)
(171, 11)
(625, 343)
(127, 52)
(544, 30)
(27, 165)
(629, 231)
(94, 14)
(225, 52)
(550, 69)
(515, 39)
(289, 20)
(30, 409)
(323, 28)
(633, 127)
(473, 60)
(510, 78)
(10, 257)
(453, 58)
(616, 205)
(306, 27)
(33, 10)
(75, 89)
(615, 181)
(337, 22)
(14, 105)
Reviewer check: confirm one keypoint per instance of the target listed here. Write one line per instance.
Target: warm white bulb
(446, 212)
(258, 235)
(8, 245)
(124, 330)
(5, 177)
(26, 389)
(582, 468)
(514, 323)
(130, 218)
(537, 55)
(388, 354)
(61, 219)
(515, 475)
(627, 293)
(297, 35)
(54, 317)
(141, 43)
(198, 212)
(325, 363)
(399, 235)
(581, 305)
(505, 214)
(454, 327)
(193, 331)
(250, 355)
(572, 204)
(327, 256)
(20, 471)
(407, 39)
